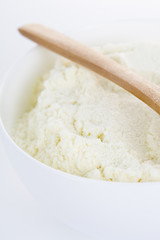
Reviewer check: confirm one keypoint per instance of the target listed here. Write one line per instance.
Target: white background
(20, 215)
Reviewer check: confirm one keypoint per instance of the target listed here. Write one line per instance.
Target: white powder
(85, 125)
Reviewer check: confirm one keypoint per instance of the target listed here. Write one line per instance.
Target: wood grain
(143, 89)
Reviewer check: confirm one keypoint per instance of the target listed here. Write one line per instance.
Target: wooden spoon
(143, 89)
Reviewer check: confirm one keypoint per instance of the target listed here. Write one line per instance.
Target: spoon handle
(143, 89)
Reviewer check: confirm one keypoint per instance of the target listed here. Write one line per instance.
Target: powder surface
(84, 124)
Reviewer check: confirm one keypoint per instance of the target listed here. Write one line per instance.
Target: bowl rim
(40, 164)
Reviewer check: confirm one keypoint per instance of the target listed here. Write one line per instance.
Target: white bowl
(107, 209)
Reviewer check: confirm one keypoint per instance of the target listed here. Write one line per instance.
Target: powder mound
(84, 124)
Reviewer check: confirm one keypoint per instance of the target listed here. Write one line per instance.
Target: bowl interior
(19, 83)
